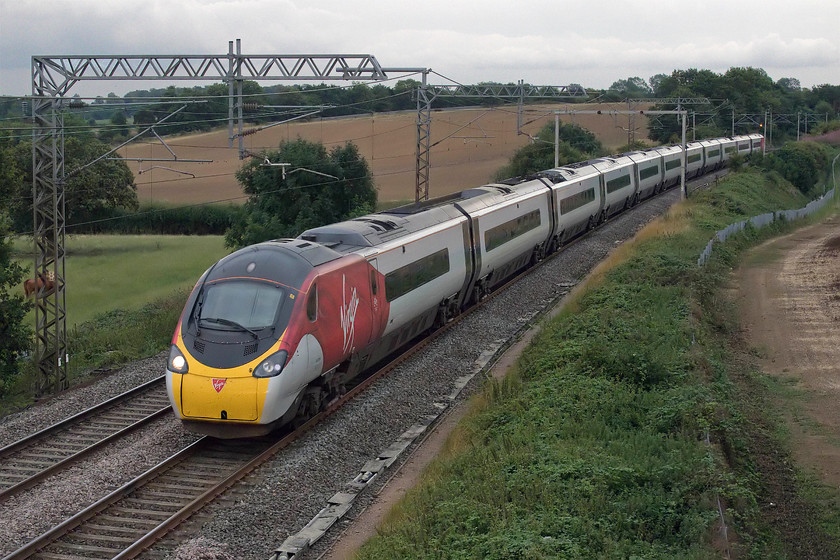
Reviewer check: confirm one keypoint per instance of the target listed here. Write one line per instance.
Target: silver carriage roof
(642, 156)
(583, 169)
(382, 227)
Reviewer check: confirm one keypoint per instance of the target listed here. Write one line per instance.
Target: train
(274, 332)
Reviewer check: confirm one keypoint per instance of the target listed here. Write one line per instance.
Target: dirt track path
(789, 299)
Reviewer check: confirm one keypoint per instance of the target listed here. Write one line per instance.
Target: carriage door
(602, 189)
(378, 303)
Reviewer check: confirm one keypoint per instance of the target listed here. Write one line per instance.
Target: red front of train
(269, 333)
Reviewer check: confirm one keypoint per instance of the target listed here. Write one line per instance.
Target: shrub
(801, 163)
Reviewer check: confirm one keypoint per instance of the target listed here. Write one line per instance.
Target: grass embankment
(625, 421)
(124, 295)
(108, 272)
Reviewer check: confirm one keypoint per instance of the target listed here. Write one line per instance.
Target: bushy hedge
(801, 163)
(156, 219)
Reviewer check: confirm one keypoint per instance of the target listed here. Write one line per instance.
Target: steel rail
(80, 416)
(54, 462)
(40, 542)
(64, 463)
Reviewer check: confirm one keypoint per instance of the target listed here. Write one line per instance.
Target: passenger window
(312, 303)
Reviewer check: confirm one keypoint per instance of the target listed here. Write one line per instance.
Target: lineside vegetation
(627, 422)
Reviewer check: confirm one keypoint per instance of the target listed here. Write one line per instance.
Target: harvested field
(468, 146)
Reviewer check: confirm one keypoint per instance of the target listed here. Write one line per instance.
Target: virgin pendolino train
(274, 331)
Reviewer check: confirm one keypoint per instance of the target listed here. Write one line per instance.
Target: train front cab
(259, 327)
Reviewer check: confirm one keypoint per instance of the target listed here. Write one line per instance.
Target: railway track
(125, 522)
(30, 460)
(133, 517)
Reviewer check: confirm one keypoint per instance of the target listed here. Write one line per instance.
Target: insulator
(251, 106)
(249, 131)
(77, 104)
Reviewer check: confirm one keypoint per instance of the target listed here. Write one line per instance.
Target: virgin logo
(348, 315)
(218, 384)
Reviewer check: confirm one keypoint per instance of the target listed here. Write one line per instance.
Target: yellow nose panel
(214, 398)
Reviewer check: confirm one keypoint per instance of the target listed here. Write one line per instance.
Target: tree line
(740, 90)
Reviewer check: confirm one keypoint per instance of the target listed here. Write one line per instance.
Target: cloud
(541, 41)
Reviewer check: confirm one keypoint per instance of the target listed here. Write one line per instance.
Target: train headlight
(272, 365)
(177, 362)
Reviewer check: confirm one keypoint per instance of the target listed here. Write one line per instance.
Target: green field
(108, 272)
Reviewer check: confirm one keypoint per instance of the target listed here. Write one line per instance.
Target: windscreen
(251, 304)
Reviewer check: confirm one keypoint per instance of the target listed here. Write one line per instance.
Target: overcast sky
(545, 42)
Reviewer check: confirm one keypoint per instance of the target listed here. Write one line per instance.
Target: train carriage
(744, 145)
(728, 147)
(671, 164)
(511, 227)
(420, 251)
(712, 155)
(693, 159)
(577, 201)
(619, 183)
(757, 141)
(648, 171)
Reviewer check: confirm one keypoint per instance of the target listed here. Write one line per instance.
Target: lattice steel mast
(426, 95)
